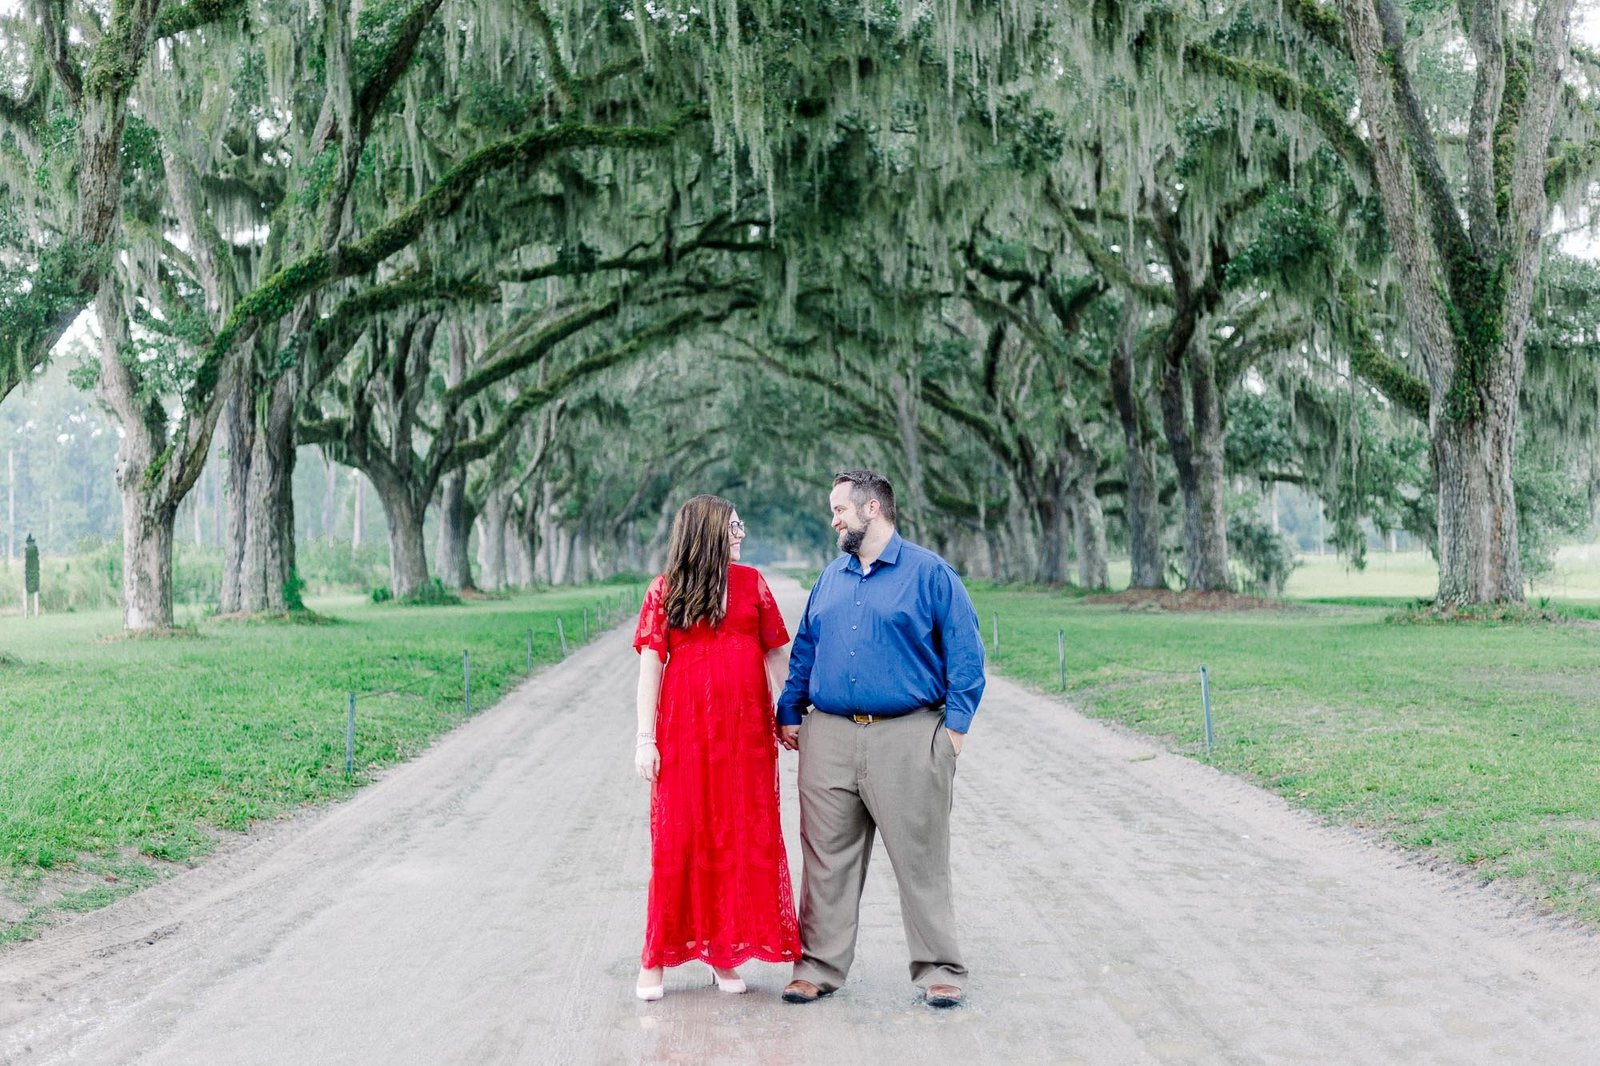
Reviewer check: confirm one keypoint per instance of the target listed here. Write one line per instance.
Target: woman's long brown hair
(697, 562)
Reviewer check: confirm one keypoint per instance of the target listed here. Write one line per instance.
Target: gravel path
(1118, 905)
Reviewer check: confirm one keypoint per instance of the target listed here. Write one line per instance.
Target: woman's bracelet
(645, 744)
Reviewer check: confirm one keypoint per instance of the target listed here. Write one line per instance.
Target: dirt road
(482, 905)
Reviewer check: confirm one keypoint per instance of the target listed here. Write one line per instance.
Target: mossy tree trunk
(1191, 410)
(1055, 524)
(408, 555)
(455, 530)
(1142, 496)
(239, 430)
(158, 463)
(1469, 255)
(405, 484)
(267, 563)
(456, 513)
(492, 531)
(1088, 525)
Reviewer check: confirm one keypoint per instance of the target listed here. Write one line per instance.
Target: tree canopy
(1081, 276)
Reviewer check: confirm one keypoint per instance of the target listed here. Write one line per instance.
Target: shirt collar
(889, 556)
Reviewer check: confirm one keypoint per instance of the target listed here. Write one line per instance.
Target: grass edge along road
(1472, 742)
(124, 759)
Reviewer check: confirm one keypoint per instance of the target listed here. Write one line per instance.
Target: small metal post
(996, 628)
(586, 625)
(561, 631)
(466, 680)
(1061, 656)
(529, 671)
(350, 738)
(1205, 698)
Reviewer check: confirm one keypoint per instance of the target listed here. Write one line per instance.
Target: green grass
(1475, 742)
(1399, 578)
(1402, 578)
(118, 756)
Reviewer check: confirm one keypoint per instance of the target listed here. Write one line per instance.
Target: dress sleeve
(652, 629)
(773, 632)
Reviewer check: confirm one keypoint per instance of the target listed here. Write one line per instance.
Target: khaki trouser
(892, 777)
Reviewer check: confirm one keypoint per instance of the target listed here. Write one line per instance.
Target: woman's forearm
(650, 670)
(777, 663)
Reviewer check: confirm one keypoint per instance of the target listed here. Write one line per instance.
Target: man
(889, 657)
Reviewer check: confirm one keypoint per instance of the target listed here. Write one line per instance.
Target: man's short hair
(869, 485)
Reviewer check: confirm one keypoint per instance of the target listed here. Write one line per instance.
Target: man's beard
(850, 540)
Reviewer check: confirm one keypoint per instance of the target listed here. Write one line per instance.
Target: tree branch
(195, 14)
(275, 296)
(1484, 29)
(1291, 95)
(1320, 22)
(1432, 181)
(396, 61)
(1107, 264)
(517, 351)
(334, 335)
(1529, 170)
(52, 24)
(1370, 362)
(533, 399)
(566, 87)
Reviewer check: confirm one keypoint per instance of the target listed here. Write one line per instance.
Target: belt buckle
(862, 719)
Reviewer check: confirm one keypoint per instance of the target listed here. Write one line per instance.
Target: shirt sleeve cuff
(957, 721)
(789, 716)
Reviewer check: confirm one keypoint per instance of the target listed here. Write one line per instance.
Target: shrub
(432, 593)
(1262, 559)
(334, 566)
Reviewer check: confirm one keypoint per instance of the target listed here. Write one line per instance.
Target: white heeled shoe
(651, 993)
(734, 985)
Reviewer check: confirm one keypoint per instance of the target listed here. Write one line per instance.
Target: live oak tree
(1469, 262)
(1465, 220)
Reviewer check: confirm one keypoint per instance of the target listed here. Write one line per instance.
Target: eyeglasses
(736, 527)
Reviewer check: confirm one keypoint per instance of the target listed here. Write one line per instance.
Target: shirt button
(852, 655)
(852, 627)
(858, 603)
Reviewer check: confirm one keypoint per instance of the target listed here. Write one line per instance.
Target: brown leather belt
(868, 719)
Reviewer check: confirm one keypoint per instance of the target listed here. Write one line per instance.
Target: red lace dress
(719, 877)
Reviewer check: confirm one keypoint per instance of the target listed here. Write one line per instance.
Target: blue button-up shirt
(904, 635)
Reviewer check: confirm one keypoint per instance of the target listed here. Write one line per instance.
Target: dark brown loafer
(942, 996)
(803, 992)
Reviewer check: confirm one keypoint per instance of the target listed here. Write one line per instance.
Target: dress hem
(763, 954)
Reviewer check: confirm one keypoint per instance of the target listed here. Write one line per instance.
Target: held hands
(647, 759)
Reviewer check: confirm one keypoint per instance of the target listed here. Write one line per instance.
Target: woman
(710, 640)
